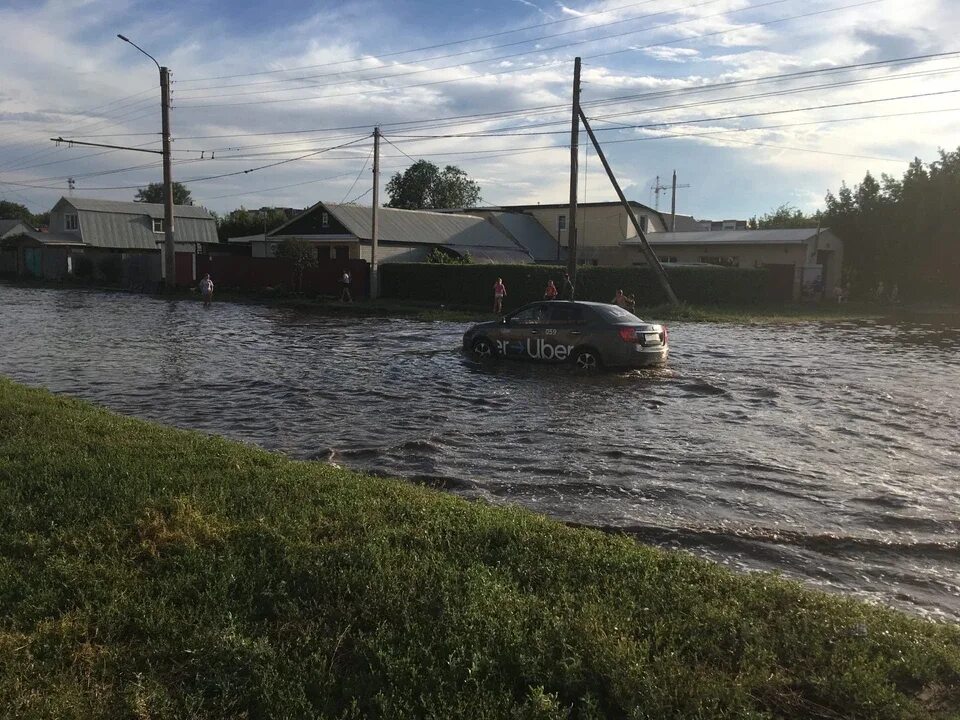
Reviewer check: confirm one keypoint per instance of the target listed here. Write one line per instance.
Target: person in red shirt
(499, 293)
(551, 292)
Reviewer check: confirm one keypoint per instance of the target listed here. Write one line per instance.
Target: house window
(667, 258)
(725, 261)
(561, 222)
(325, 220)
(158, 225)
(71, 222)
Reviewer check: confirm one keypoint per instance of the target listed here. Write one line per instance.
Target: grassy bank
(149, 572)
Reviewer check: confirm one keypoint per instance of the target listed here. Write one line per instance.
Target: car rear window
(616, 314)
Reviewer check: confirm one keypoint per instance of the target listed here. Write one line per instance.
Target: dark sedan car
(588, 335)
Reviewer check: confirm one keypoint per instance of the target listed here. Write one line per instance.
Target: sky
(753, 103)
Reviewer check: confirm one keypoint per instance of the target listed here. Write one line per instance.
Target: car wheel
(482, 349)
(586, 359)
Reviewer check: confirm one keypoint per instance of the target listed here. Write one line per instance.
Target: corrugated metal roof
(787, 236)
(135, 232)
(129, 225)
(7, 225)
(153, 210)
(422, 227)
(529, 233)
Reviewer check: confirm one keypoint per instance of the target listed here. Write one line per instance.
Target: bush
(473, 284)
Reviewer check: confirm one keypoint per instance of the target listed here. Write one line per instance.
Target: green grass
(147, 572)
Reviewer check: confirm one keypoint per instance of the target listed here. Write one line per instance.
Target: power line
(619, 21)
(420, 49)
(357, 179)
(211, 177)
(697, 89)
(696, 120)
(542, 50)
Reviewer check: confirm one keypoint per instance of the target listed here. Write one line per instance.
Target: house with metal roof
(801, 262)
(343, 232)
(130, 226)
(118, 241)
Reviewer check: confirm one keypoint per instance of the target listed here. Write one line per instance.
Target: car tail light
(628, 334)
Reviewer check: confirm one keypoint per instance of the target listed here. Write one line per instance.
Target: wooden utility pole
(574, 172)
(375, 220)
(169, 248)
(647, 250)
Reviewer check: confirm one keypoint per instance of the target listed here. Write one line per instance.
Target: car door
(522, 332)
(562, 331)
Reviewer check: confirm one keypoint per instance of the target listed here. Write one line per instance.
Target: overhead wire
(619, 21)
(421, 49)
(554, 63)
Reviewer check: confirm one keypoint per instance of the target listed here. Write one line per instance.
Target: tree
(424, 186)
(303, 255)
(16, 211)
(241, 221)
(153, 193)
(785, 216)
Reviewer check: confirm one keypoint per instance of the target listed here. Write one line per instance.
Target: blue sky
(482, 86)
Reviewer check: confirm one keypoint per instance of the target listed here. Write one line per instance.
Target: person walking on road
(206, 290)
(625, 301)
(345, 281)
(566, 293)
(551, 292)
(499, 293)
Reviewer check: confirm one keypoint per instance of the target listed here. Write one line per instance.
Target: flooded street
(829, 452)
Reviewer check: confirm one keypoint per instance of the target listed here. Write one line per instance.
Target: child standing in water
(499, 293)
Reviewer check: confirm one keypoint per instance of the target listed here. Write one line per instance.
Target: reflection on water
(828, 452)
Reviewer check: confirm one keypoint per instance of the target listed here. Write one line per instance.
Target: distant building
(603, 229)
(804, 262)
(688, 223)
(344, 232)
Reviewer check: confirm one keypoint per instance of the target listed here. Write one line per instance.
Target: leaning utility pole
(169, 248)
(652, 259)
(375, 220)
(574, 173)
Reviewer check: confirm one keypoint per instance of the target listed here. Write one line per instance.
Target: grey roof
(461, 233)
(154, 210)
(787, 236)
(10, 225)
(527, 232)
(129, 225)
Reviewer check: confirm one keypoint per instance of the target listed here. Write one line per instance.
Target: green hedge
(473, 284)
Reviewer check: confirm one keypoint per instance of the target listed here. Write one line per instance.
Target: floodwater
(828, 452)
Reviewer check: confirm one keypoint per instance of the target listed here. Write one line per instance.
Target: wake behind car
(586, 334)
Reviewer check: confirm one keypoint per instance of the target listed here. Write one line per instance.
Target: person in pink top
(499, 293)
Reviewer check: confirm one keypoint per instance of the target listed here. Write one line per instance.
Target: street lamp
(170, 265)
